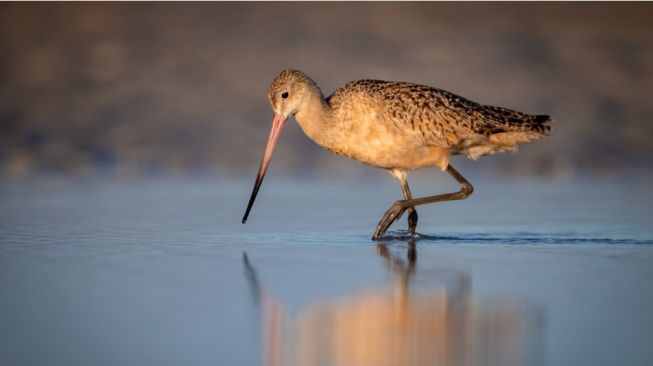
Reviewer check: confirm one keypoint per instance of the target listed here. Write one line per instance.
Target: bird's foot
(412, 220)
(391, 215)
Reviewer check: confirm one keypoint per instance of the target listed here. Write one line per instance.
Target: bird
(398, 127)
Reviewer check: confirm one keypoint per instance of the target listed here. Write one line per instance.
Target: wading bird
(396, 126)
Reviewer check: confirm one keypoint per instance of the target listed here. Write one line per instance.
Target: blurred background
(168, 102)
(177, 89)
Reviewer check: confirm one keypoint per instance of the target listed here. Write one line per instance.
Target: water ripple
(512, 238)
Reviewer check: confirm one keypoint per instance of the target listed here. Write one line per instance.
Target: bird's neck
(314, 117)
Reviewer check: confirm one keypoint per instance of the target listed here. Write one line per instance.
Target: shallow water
(155, 272)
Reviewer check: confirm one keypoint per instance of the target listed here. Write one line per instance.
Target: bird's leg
(412, 212)
(400, 206)
(399, 210)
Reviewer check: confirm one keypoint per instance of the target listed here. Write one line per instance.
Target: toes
(394, 212)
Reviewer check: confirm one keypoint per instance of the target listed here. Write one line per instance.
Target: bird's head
(287, 93)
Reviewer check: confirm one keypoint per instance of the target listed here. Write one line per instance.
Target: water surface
(162, 272)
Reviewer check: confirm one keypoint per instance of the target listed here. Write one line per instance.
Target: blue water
(139, 272)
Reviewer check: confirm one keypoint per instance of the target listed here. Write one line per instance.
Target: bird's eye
(284, 95)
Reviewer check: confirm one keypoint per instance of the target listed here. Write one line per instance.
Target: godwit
(396, 126)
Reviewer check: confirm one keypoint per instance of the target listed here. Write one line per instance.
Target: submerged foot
(400, 235)
(391, 215)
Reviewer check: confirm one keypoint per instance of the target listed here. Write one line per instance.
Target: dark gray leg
(398, 208)
(412, 212)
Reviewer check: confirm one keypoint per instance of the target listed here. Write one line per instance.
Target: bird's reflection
(426, 318)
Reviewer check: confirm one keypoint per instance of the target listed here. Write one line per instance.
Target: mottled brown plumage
(397, 126)
(403, 125)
